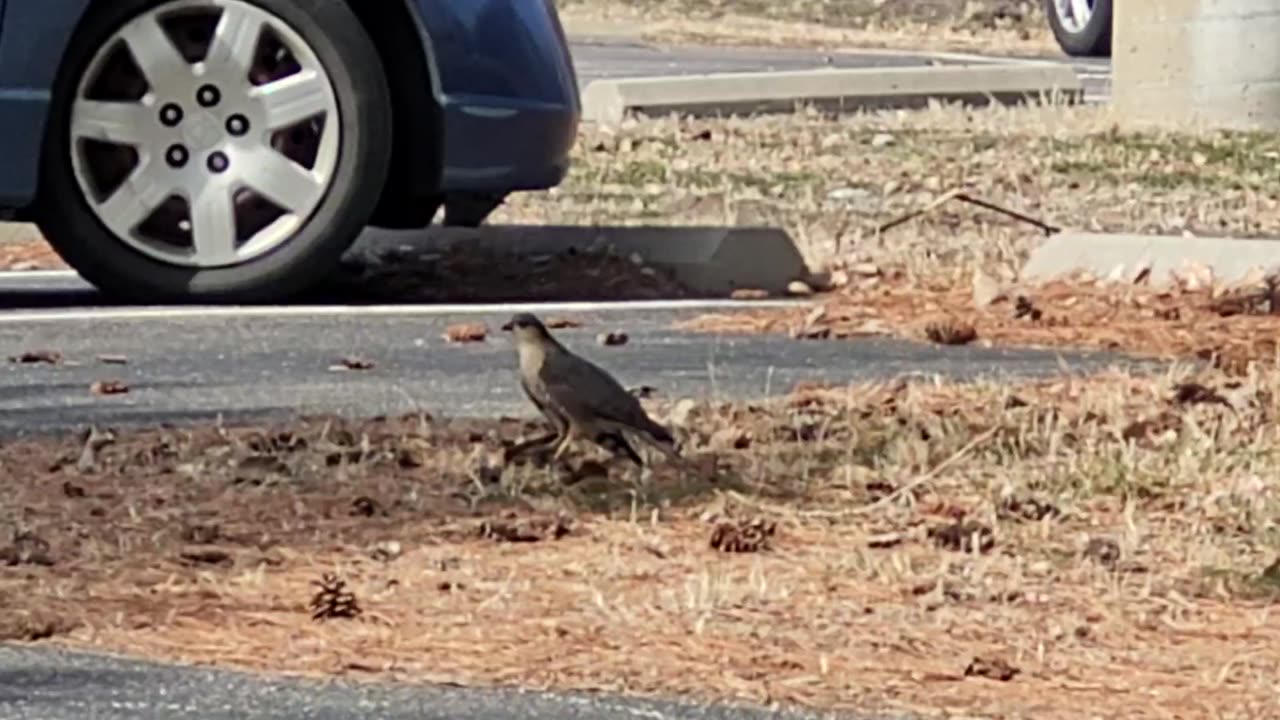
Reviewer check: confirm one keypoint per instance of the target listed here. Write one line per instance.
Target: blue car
(232, 150)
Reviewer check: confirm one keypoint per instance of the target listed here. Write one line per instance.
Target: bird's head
(527, 328)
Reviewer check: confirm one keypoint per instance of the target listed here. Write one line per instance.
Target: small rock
(880, 140)
(848, 193)
(799, 288)
(865, 269)
(386, 551)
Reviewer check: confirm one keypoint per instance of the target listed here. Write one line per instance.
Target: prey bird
(579, 398)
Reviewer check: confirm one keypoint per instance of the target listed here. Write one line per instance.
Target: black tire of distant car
(1093, 40)
(364, 103)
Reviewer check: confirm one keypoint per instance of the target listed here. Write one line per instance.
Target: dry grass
(987, 26)
(1108, 538)
(1233, 327)
(832, 180)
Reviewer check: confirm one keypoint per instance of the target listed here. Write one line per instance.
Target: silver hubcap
(205, 133)
(1074, 15)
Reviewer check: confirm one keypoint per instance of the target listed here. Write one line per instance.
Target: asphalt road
(187, 364)
(597, 58)
(55, 685)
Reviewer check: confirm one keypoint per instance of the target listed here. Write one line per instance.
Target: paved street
(198, 363)
(54, 685)
(598, 58)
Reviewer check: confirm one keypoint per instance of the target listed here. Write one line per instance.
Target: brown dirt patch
(1231, 326)
(1002, 550)
(469, 274)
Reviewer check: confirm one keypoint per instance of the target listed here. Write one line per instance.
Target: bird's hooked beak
(508, 326)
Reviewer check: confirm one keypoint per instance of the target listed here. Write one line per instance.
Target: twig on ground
(965, 197)
(888, 498)
(931, 473)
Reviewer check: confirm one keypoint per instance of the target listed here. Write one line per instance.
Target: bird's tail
(659, 434)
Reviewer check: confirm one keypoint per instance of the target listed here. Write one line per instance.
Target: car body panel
(509, 92)
(502, 71)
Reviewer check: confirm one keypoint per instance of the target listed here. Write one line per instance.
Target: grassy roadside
(995, 550)
(832, 180)
(986, 26)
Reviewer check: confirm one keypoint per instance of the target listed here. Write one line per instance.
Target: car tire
(1091, 40)
(470, 211)
(313, 247)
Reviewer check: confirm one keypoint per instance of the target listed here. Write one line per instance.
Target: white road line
(295, 311)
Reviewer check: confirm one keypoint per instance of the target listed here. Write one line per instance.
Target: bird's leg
(563, 445)
(526, 445)
(617, 445)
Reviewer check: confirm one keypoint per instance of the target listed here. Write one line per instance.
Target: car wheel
(225, 150)
(1082, 27)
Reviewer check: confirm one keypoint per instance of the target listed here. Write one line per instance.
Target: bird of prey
(579, 398)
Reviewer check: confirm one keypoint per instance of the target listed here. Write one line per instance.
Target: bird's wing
(584, 386)
(542, 400)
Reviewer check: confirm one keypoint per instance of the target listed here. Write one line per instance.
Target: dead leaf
(612, 339)
(746, 536)
(109, 387)
(643, 391)
(1023, 307)
(963, 537)
(1032, 509)
(529, 530)
(749, 294)
(48, 357)
(466, 332)
(992, 668)
(1104, 551)
(353, 363)
(558, 323)
(113, 359)
(365, 506)
(1191, 393)
(206, 556)
(1151, 428)
(26, 549)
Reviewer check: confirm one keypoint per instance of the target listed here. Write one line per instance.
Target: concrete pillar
(1198, 63)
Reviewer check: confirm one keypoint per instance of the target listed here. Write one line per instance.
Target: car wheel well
(410, 198)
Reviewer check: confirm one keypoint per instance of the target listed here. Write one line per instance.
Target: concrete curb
(708, 259)
(1125, 255)
(609, 100)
